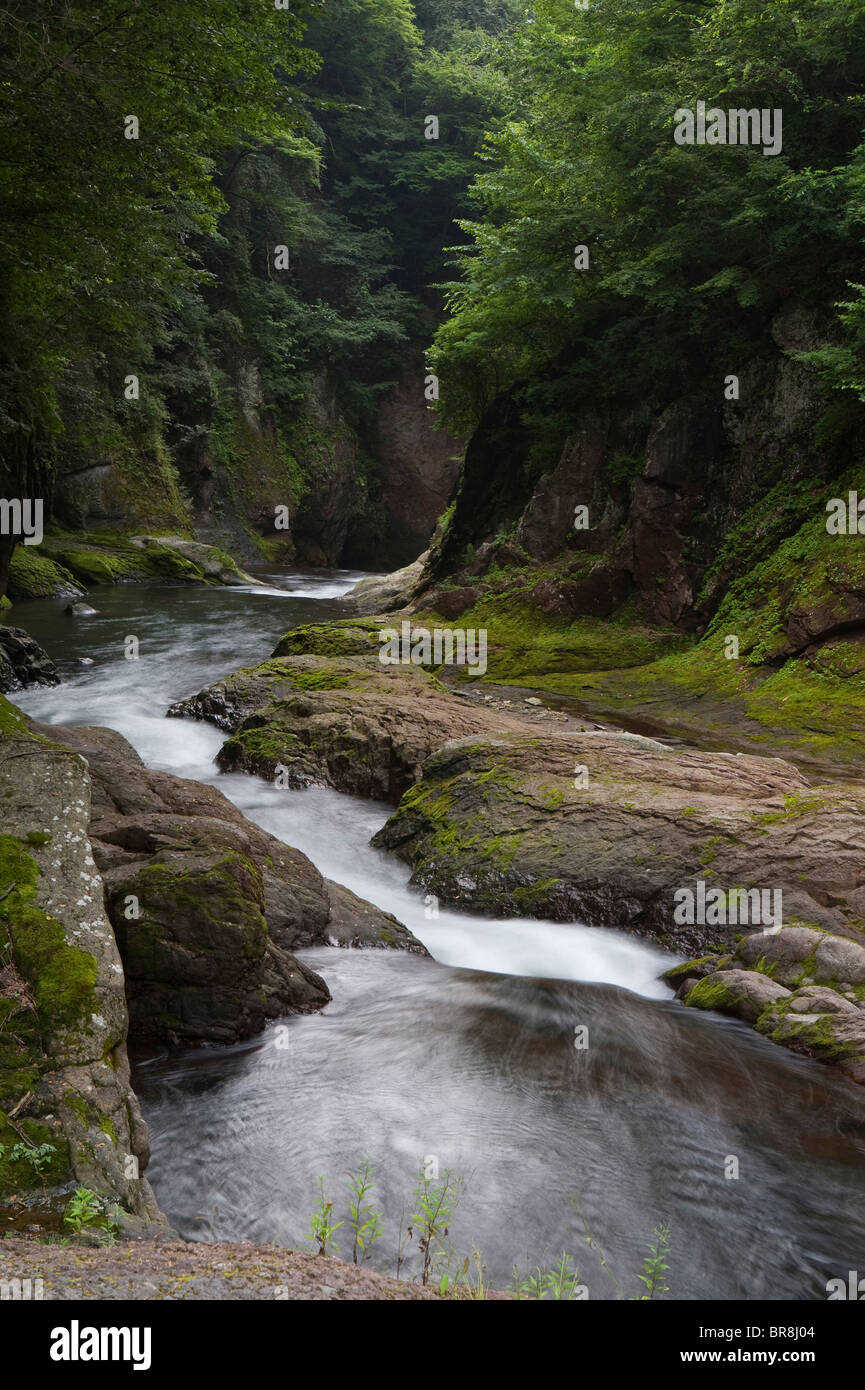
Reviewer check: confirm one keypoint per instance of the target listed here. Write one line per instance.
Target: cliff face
(368, 496)
(678, 500)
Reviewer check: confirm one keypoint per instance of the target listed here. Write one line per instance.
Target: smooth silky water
(469, 1057)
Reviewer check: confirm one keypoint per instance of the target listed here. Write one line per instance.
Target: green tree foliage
(154, 256)
(97, 230)
(692, 249)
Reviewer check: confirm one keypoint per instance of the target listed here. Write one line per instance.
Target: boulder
(345, 721)
(213, 563)
(740, 992)
(774, 991)
(388, 593)
(23, 662)
(208, 908)
(64, 1071)
(617, 830)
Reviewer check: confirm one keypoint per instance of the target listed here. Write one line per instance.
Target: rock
(450, 603)
(740, 992)
(817, 1020)
(837, 958)
(64, 1071)
(388, 593)
(784, 953)
(418, 463)
(355, 922)
(505, 826)
(35, 575)
(814, 999)
(222, 905)
(80, 610)
(347, 722)
(23, 662)
(799, 955)
(836, 1036)
(214, 564)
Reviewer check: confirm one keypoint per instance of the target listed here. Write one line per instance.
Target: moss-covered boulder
(830, 1032)
(214, 565)
(68, 563)
(618, 830)
(208, 909)
(799, 986)
(336, 715)
(68, 1116)
(33, 574)
(738, 992)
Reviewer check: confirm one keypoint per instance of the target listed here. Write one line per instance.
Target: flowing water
(469, 1058)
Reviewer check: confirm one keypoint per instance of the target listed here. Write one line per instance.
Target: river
(468, 1058)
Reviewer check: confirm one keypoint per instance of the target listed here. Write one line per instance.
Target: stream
(470, 1057)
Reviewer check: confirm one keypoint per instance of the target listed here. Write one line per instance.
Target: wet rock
(221, 905)
(512, 826)
(213, 563)
(835, 1036)
(80, 610)
(23, 662)
(780, 1000)
(388, 593)
(344, 721)
(740, 992)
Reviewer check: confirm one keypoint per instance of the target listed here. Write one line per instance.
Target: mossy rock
(36, 575)
(60, 976)
(350, 637)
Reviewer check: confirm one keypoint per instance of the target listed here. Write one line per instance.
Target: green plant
(84, 1212)
(435, 1201)
(364, 1220)
(654, 1266)
(37, 1155)
(321, 1223)
(561, 1282)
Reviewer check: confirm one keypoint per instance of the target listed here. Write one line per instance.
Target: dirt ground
(179, 1270)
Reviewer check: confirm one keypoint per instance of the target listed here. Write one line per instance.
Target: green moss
(712, 993)
(37, 837)
(525, 646)
(77, 1105)
(677, 973)
(61, 976)
(34, 575)
(531, 899)
(261, 746)
(552, 797)
(12, 721)
(349, 637)
(106, 1124)
(813, 1035)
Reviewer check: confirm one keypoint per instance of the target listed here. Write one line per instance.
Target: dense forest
(432, 616)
